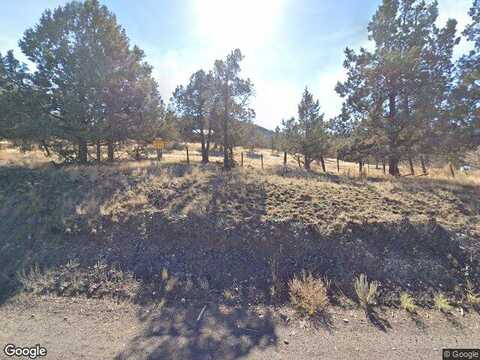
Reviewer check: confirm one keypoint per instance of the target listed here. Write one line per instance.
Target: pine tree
(305, 137)
(233, 94)
(195, 103)
(397, 93)
(93, 87)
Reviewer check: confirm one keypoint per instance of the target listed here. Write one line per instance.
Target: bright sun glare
(252, 24)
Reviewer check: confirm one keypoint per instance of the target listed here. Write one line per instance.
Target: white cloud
(324, 89)
(274, 101)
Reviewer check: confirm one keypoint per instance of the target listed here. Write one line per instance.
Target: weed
(309, 294)
(472, 298)
(407, 303)
(442, 304)
(366, 292)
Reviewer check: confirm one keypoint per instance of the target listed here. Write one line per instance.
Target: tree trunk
(424, 167)
(82, 151)
(410, 162)
(99, 151)
(452, 171)
(322, 161)
(360, 167)
(110, 151)
(376, 165)
(284, 158)
(226, 161)
(205, 158)
(232, 162)
(383, 165)
(338, 164)
(45, 147)
(306, 163)
(393, 166)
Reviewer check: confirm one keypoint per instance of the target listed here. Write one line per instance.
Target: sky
(287, 44)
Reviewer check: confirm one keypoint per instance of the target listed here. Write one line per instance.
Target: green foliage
(306, 137)
(198, 107)
(89, 85)
(233, 94)
(395, 96)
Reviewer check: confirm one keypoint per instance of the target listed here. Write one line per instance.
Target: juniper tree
(93, 86)
(463, 122)
(196, 104)
(306, 137)
(233, 94)
(398, 91)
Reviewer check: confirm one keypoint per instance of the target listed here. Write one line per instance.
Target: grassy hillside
(146, 231)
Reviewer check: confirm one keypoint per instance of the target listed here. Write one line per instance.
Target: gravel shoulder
(99, 329)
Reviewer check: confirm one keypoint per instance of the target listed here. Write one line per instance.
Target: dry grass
(407, 303)
(472, 298)
(139, 200)
(366, 292)
(442, 303)
(309, 294)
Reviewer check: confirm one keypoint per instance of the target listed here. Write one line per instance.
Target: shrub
(309, 294)
(472, 298)
(441, 303)
(407, 303)
(98, 281)
(366, 292)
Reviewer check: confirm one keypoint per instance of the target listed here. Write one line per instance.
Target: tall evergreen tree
(398, 92)
(463, 125)
(196, 105)
(233, 95)
(93, 86)
(305, 137)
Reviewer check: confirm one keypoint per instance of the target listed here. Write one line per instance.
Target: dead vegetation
(219, 234)
(309, 294)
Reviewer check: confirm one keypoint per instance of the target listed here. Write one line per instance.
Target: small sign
(159, 144)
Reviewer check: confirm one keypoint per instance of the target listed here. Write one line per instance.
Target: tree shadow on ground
(377, 320)
(186, 332)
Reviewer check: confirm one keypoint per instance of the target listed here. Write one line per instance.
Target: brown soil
(99, 329)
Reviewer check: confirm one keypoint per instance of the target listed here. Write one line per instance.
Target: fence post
(241, 161)
(261, 159)
(188, 157)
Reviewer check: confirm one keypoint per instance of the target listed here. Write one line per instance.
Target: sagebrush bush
(441, 303)
(309, 294)
(472, 298)
(407, 303)
(366, 292)
(100, 280)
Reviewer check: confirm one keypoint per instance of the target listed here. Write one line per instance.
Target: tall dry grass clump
(309, 294)
(366, 292)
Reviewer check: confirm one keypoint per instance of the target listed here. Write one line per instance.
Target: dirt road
(98, 329)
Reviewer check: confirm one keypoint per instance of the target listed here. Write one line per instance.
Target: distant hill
(265, 132)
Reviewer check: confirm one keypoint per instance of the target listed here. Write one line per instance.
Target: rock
(286, 342)
(345, 320)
